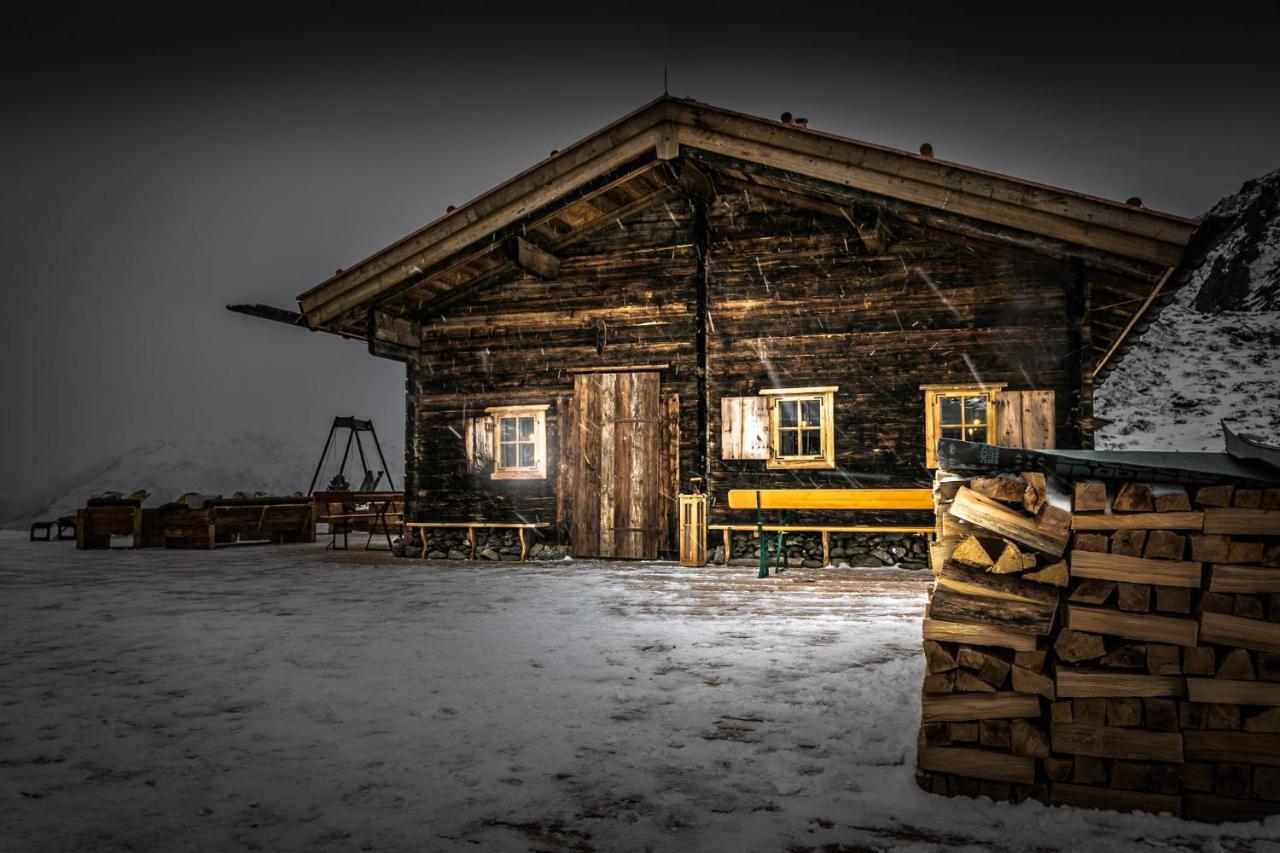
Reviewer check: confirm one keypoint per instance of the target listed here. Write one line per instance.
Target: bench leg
(826, 548)
(523, 549)
(423, 531)
(471, 540)
(728, 544)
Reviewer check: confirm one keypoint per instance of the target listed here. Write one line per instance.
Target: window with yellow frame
(519, 442)
(801, 427)
(967, 412)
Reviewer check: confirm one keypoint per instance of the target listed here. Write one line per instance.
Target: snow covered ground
(278, 698)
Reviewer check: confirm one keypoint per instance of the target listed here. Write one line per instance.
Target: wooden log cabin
(693, 292)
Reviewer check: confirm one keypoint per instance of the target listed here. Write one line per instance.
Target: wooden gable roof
(676, 146)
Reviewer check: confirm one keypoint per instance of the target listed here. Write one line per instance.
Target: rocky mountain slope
(243, 461)
(1212, 351)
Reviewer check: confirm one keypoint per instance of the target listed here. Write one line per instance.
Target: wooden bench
(97, 523)
(340, 510)
(220, 524)
(471, 527)
(794, 500)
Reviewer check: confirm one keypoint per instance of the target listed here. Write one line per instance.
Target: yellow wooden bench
(472, 526)
(787, 500)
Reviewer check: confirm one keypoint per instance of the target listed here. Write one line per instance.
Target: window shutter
(479, 441)
(1025, 419)
(744, 427)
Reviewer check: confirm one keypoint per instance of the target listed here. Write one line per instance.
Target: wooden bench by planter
(471, 526)
(790, 500)
(96, 524)
(221, 524)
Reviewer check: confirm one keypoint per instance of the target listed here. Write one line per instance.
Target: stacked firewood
(1112, 647)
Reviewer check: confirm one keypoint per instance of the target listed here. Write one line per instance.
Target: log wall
(796, 300)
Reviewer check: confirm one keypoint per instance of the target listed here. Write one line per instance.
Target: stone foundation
(500, 544)
(908, 550)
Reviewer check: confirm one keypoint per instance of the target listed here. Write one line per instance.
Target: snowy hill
(1211, 354)
(238, 462)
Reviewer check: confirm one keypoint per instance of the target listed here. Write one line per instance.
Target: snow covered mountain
(243, 461)
(1212, 351)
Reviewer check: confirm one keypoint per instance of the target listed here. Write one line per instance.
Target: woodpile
(1105, 646)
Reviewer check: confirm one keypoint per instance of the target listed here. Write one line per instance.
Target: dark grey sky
(155, 171)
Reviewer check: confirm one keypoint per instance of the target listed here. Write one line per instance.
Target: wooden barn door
(617, 469)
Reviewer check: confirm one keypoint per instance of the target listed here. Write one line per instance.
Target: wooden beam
(978, 764)
(270, 312)
(1240, 632)
(1235, 747)
(1227, 691)
(1116, 742)
(1133, 626)
(980, 635)
(1237, 521)
(530, 258)
(1247, 579)
(1133, 321)
(1074, 684)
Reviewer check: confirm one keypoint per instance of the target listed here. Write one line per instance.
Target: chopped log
(1088, 797)
(1061, 712)
(937, 658)
(1026, 681)
(1028, 738)
(1173, 599)
(1089, 496)
(967, 707)
(1209, 549)
(1197, 777)
(967, 682)
(1271, 498)
(1242, 747)
(1210, 808)
(1117, 567)
(978, 764)
(1124, 711)
(1011, 560)
(1249, 607)
(1134, 597)
(1244, 551)
(1268, 667)
(1127, 543)
(955, 528)
(1099, 542)
(1235, 579)
(1266, 783)
(1089, 771)
(980, 553)
(942, 682)
(1139, 521)
(1236, 666)
(982, 635)
(1161, 714)
(1036, 493)
(1127, 656)
(1033, 660)
(1192, 715)
(965, 595)
(1242, 692)
(939, 552)
(1084, 685)
(1172, 499)
(994, 733)
(1074, 646)
(1000, 487)
(1114, 742)
(1164, 545)
(1267, 721)
(1163, 659)
(1238, 631)
(1242, 522)
(1054, 574)
(1133, 497)
(1133, 626)
(1058, 769)
(1271, 557)
(966, 732)
(1145, 776)
(1216, 602)
(1092, 591)
(1089, 711)
(936, 734)
(1221, 717)
(1247, 498)
(1198, 660)
(1214, 495)
(1048, 532)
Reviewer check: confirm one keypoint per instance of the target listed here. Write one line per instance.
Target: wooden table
(471, 526)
